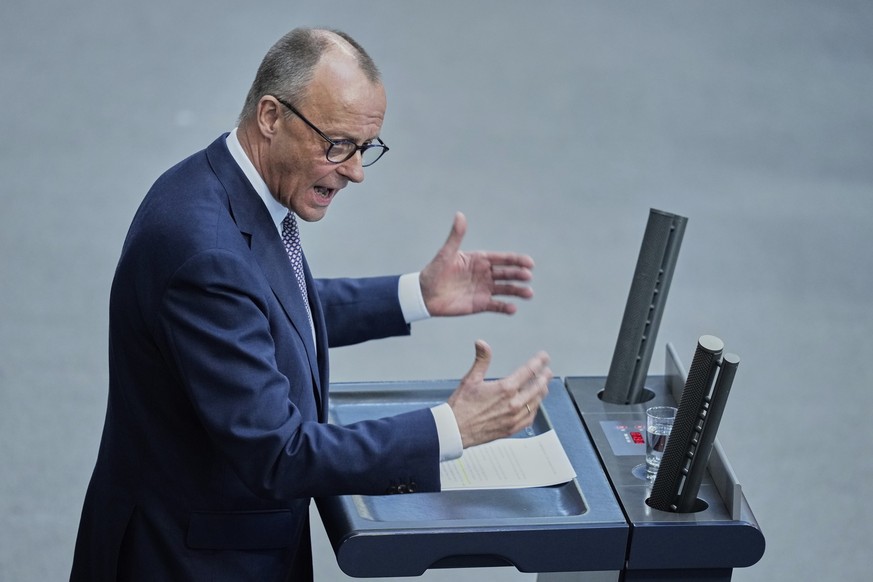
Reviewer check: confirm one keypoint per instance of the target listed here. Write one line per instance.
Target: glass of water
(659, 423)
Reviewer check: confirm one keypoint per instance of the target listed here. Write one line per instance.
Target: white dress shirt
(408, 291)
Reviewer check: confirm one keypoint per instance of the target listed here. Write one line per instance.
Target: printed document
(536, 461)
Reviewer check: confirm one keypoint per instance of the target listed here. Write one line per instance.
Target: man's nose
(352, 169)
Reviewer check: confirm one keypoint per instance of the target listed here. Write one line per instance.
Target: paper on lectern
(511, 463)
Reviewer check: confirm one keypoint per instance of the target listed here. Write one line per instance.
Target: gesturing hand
(488, 410)
(459, 283)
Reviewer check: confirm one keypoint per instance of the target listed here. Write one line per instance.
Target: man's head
(330, 80)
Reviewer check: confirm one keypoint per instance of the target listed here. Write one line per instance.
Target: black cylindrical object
(645, 306)
(726, 373)
(686, 431)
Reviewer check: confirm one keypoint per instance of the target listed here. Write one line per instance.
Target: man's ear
(268, 116)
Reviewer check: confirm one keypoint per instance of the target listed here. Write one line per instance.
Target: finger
(537, 389)
(510, 273)
(513, 290)
(509, 259)
(528, 413)
(501, 307)
(456, 235)
(530, 409)
(532, 369)
(482, 362)
(537, 378)
(497, 306)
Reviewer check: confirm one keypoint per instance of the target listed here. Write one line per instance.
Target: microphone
(691, 440)
(645, 306)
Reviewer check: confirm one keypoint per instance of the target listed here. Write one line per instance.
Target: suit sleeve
(358, 310)
(250, 394)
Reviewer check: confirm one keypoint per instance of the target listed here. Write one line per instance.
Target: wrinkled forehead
(338, 78)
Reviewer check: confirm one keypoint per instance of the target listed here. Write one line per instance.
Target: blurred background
(555, 126)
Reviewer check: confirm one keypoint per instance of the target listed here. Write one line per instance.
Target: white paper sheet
(536, 461)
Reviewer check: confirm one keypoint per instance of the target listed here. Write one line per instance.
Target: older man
(215, 436)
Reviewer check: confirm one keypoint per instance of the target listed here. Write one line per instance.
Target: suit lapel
(320, 333)
(253, 220)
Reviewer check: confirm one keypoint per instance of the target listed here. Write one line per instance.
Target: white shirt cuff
(411, 300)
(451, 446)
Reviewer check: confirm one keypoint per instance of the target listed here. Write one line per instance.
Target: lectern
(605, 524)
(596, 527)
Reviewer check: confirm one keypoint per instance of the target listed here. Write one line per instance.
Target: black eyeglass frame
(337, 143)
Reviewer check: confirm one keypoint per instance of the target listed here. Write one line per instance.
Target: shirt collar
(277, 211)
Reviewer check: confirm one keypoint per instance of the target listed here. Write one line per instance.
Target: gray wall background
(554, 126)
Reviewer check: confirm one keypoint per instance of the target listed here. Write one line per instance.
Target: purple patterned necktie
(291, 239)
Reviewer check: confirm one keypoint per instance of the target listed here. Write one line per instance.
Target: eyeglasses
(343, 149)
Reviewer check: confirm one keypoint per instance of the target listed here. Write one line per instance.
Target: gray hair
(289, 65)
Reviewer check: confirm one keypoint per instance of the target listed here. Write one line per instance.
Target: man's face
(343, 104)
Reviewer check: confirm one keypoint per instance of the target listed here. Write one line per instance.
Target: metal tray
(571, 527)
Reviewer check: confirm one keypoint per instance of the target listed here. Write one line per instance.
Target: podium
(595, 527)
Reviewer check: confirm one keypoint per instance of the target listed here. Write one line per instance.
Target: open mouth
(324, 193)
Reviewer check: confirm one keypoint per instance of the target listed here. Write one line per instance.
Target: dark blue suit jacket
(215, 436)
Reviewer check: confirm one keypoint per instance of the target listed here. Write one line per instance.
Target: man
(215, 436)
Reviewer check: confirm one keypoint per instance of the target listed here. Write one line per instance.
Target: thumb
(459, 229)
(482, 361)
